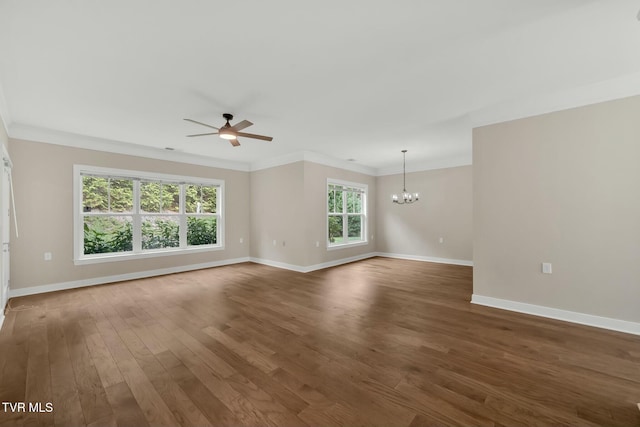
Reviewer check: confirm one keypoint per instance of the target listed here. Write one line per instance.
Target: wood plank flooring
(380, 342)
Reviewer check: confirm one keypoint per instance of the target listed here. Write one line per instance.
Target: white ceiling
(345, 79)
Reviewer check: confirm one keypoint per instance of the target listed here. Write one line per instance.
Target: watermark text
(27, 406)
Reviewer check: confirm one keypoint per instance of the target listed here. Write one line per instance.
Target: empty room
(363, 213)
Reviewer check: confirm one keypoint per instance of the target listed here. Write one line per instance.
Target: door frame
(5, 229)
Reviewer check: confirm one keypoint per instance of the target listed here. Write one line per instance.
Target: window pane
(103, 194)
(335, 199)
(121, 195)
(353, 202)
(160, 232)
(95, 194)
(158, 197)
(354, 227)
(105, 234)
(201, 198)
(335, 229)
(201, 230)
(170, 198)
(150, 197)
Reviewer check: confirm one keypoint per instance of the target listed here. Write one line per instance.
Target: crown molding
(608, 90)
(273, 162)
(313, 157)
(449, 162)
(49, 136)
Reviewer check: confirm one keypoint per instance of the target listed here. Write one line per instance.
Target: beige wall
(43, 183)
(277, 213)
(561, 188)
(289, 204)
(444, 210)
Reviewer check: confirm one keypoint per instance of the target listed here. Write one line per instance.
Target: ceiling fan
(231, 133)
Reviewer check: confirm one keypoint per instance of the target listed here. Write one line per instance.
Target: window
(202, 221)
(346, 213)
(126, 214)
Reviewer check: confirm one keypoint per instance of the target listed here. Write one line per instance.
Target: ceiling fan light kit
(230, 133)
(404, 198)
(227, 134)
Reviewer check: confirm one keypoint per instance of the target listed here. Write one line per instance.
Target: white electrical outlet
(441, 240)
(241, 240)
(317, 243)
(47, 256)
(546, 267)
(274, 242)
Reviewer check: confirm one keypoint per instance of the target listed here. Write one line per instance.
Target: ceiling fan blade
(204, 134)
(203, 124)
(234, 142)
(243, 124)
(254, 136)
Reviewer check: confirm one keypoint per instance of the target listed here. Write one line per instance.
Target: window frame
(344, 214)
(80, 258)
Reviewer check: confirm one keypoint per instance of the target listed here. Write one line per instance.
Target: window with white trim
(346, 213)
(123, 214)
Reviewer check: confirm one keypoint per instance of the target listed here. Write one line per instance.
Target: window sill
(142, 255)
(346, 245)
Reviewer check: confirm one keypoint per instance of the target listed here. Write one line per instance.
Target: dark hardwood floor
(378, 342)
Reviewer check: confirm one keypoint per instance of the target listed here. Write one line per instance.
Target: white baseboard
(310, 268)
(426, 259)
(558, 314)
(1, 318)
(278, 264)
(20, 292)
(340, 262)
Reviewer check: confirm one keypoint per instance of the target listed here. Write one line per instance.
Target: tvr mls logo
(27, 406)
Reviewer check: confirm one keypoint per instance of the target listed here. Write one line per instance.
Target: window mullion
(183, 217)
(108, 194)
(219, 219)
(137, 219)
(345, 217)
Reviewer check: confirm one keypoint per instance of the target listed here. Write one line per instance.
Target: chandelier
(404, 198)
